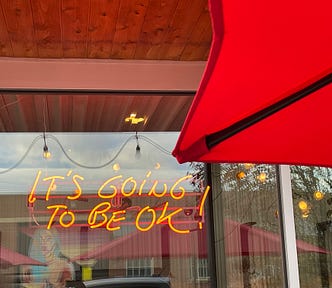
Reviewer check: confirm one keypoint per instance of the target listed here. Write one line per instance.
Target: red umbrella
(159, 241)
(265, 96)
(240, 239)
(244, 239)
(11, 258)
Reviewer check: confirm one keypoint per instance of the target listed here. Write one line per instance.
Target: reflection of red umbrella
(12, 258)
(243, 239)
(160, 241)
(269, 74)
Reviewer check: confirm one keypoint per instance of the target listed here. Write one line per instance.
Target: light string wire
(56, 140)
(34, 141)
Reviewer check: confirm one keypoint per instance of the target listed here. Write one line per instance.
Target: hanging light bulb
(138, 149)
(46, 153)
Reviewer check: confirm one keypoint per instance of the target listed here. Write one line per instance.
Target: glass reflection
(311, 187)
(49, 207)
(250, 233)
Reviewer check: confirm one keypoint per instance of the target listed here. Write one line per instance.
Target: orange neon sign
(103, 214)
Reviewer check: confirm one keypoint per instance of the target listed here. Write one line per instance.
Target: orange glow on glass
(115, 219)
(163, 218)
(55, 212)
(71, 222)
(94, 213)
(32, 197)
(139, 214)
(201, 206)
(78, 190)
(52, 178)
(115, 190)
(183, 191)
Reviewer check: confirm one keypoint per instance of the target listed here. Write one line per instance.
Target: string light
(305, 208)
(241, 175)
(262, 177)
(56, 140)
(46, 153)
(248, 165)
(305, 213)
(303, 205)
(318, 195)
(138, 148)
(116, 167)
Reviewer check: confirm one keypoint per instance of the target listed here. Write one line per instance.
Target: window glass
(311, 188)
(101, 205)
(141, 267)
(248, 234)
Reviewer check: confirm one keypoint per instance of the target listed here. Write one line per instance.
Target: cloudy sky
(88, 155)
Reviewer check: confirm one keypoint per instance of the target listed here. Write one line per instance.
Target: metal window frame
(287, 223)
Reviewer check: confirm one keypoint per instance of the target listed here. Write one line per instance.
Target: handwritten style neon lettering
(92, 219)
(106, 215)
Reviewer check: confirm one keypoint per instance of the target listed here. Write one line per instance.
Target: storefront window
(311, 188)
(248, 236)
(100, 205)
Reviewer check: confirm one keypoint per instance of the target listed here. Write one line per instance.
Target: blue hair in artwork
(44, 247)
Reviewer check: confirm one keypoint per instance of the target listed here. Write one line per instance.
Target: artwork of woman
(45, 247)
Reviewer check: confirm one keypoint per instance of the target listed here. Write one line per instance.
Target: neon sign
(107, 215)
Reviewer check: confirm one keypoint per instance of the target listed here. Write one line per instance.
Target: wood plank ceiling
(177, 30)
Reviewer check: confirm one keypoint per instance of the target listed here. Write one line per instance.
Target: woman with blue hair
(45, 247)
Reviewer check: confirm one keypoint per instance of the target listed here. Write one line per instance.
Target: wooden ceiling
(178, 30)
(105, 29)
(81, 112)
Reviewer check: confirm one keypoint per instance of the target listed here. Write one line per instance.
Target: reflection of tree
(246, 188)
(306, 181)
(249, 194)
(251, 184)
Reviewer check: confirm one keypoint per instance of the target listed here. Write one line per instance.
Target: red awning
(160, 241)
(266, 93)
(11, 258)
(243, 239)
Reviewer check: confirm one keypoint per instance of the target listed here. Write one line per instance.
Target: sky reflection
(21, 157)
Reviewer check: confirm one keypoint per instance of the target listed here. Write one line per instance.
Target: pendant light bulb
(46, 153)
(138, 152)
(138, 148)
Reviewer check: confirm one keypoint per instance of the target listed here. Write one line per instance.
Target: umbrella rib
(219, 136)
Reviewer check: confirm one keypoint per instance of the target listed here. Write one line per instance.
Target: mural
(45, 247)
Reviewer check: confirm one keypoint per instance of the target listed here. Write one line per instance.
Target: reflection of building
(123, 252)
(248, 241)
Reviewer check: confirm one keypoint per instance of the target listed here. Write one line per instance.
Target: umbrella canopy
(11, 258)
(240, 239)
(159, 241)
(244, 239)
(266, 93)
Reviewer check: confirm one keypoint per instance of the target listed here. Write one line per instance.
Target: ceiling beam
(99, 75)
